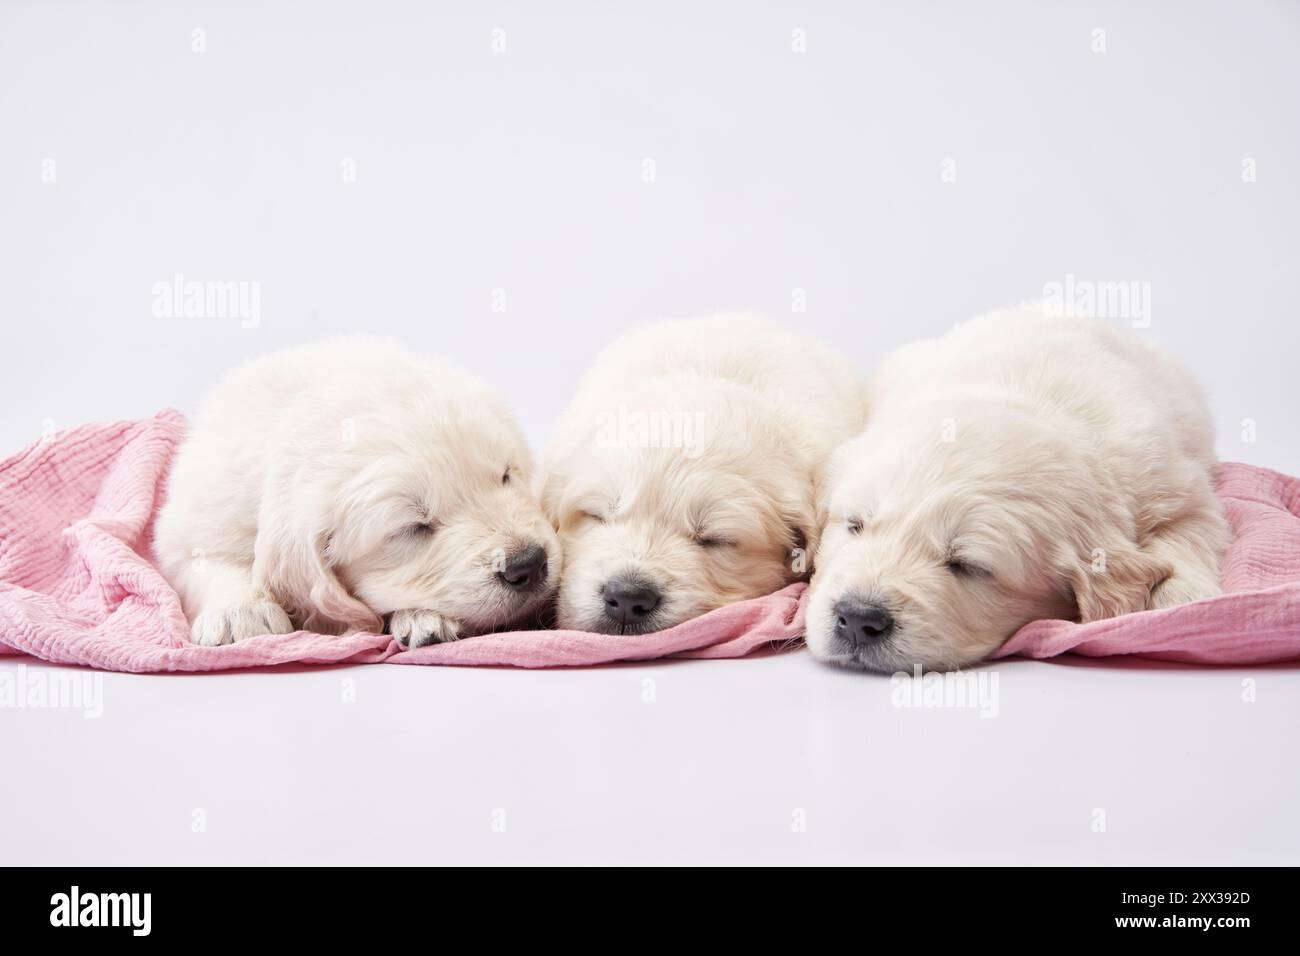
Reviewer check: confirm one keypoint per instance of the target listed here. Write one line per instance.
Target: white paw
(416, 628)
(1182, 589)
(238, 621)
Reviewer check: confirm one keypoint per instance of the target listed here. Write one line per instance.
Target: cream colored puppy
(1019, 467)
(684, 475)
(330, 486)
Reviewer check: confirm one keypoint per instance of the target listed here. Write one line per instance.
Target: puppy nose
(860, 623)
(524, 568)
(629, 602)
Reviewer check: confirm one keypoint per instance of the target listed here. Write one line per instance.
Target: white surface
(522, 171)
(714, 770)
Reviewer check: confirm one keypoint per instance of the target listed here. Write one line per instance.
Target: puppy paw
(236, 622)
(1182, 589)
(416, 628)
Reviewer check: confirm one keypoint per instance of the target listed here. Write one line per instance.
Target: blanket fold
(77, 585)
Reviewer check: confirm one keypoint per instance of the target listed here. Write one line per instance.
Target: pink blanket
(77, 586)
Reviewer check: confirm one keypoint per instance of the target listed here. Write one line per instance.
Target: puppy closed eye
(418, 530)
(853, 525)
(964, 569)
(712, 541)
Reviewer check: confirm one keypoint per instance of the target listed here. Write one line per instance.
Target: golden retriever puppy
(1019, 467)
(685, 473)
(331, 486)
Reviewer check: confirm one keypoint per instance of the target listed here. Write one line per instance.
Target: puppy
(1019, 467)
(684, 475)
(329, 486)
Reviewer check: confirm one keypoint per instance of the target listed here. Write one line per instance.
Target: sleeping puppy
(1019, 467)
(329, 486)
(684, 474)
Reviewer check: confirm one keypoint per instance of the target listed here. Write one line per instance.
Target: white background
(522, 171)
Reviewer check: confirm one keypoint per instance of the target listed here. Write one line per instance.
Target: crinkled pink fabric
(77, 585)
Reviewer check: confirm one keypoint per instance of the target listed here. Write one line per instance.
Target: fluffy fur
(330, 486)
(689, 461)
(1019, 467)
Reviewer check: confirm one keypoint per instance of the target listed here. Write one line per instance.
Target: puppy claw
(417, 628)
(236, 622)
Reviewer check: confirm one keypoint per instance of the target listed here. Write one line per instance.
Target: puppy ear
(802, 549)
(292, 562)
(548, 487)
(1112, 581)
(332, 598)
(803, 523)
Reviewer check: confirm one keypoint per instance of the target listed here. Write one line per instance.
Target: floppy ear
(292, 562)
(803, 529)
(332, 599)
(802, 551)
(1112, 581)
(548, 486)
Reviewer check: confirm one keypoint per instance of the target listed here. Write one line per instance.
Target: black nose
(524, 569)
(629, 602)
(860, 623)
